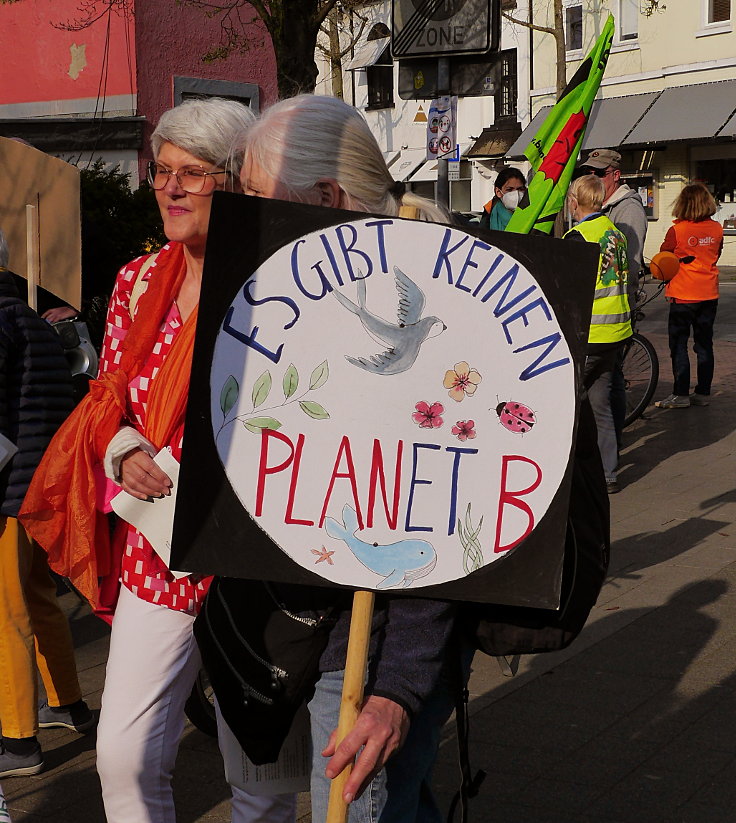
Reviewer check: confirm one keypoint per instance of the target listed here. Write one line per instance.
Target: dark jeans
(597, 379)
(700, 317)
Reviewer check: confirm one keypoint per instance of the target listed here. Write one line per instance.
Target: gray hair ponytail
(307, 138)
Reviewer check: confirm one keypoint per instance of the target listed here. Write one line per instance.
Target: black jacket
(35, 391)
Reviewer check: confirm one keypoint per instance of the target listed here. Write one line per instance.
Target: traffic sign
(472, 76)
(442, 28)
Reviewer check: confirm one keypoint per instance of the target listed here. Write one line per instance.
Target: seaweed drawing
(472, 554)
(230, 392)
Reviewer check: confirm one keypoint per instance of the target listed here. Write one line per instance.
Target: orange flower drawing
(461, 380)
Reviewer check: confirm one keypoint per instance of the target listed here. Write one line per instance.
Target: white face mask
(512, 199)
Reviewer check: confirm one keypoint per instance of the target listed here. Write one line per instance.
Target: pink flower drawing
(428, 417)
(464, 430)
(461, 380)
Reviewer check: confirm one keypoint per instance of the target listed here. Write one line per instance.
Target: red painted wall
(36, 57)
(171, 39)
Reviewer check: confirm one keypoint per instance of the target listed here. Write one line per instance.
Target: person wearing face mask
(509, 189)
(610, 323)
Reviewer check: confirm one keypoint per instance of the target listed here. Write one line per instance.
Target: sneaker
(699, 400)
(674, 401)
(78, 717)
(612, 487)
(20, 765)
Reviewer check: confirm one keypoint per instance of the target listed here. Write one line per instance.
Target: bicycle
(640, 362)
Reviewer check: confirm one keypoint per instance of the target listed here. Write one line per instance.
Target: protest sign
(382, 404)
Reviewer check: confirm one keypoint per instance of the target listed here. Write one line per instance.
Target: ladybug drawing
(515, 417)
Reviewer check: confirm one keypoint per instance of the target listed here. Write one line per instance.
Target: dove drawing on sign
(399, 564)
(402, 339)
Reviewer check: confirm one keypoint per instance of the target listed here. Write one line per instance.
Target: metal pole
(443, 171)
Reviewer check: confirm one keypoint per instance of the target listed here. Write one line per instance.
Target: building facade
(98, 90)
(667, 101)
(488, 122)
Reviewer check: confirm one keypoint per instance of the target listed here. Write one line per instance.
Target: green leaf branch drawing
(472, 554)
(260, 393)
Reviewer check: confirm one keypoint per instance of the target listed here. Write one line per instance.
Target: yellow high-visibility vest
(611, 320)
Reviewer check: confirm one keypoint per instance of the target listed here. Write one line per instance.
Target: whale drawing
(400, 564)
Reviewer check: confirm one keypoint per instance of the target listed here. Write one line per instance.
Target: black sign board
(382, 404)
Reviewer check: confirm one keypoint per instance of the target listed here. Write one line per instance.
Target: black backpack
(509, 631)
(514, 630)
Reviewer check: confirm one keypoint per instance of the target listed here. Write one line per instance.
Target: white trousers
(151, 669)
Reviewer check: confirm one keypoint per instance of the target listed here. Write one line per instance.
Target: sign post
(442, 29)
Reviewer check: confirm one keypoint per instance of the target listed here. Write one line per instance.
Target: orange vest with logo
(698, 280)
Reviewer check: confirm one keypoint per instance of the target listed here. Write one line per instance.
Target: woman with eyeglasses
(509, 188)
(134, 409)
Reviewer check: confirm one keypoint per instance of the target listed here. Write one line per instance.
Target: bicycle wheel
(641, 374)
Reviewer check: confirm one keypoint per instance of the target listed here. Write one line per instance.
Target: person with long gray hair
(135, 409)
(320, 151)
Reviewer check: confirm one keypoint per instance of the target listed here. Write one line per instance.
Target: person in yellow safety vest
(610, 324)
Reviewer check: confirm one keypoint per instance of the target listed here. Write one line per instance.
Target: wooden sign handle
(356, 665)
(352, 693)
(32, 246)
(410, 212)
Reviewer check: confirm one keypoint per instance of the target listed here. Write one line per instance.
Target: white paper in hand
(154, 518)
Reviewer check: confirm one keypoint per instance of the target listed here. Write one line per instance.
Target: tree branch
(526, 25)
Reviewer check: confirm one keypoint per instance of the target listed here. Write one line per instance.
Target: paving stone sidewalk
(634, 723)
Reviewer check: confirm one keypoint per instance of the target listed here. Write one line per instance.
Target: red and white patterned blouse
(143, 572)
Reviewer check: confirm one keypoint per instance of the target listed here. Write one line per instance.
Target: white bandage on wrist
(125, 441)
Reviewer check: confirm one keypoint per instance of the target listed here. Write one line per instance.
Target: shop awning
(729, 130)
(409, 161)
(60, 134)
(494, 141)
(611, 120)
(696, 112)
(368, 54)
(428, 172)
(391, 157)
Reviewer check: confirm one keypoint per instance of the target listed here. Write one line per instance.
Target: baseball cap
(603, 158)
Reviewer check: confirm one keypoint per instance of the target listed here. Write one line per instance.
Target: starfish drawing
(323, 554)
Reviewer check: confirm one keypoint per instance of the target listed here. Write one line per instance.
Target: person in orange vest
(692, 293)
(509, 187)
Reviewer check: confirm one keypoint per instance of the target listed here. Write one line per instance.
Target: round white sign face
(393, 402)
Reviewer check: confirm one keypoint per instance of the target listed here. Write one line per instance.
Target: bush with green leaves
(118, 224)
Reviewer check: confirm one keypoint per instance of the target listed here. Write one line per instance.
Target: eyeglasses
(191, 179)
(598, 172)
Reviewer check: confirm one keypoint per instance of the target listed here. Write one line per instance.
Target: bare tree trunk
(335, 53)
(559, 35)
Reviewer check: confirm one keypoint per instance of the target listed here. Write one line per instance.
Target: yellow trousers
(33, 632)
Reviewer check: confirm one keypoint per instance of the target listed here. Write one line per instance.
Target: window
(628, 20)
(506, 92)
(380, 76)
(186, 88)
(718, 11)
(574, 27)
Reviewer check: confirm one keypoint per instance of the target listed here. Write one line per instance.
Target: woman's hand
(141, 477)
(379, 731)
(60, 313)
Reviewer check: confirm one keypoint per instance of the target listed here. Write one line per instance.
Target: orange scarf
(59, 509)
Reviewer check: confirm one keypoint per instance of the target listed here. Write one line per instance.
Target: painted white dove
(403, 339)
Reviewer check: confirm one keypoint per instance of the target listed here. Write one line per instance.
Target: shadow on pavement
(614, 734)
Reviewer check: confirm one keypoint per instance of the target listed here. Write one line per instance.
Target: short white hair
(307, 138)
(4, 252)
(210, 128)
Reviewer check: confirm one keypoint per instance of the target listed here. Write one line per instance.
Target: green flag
(556, 145)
